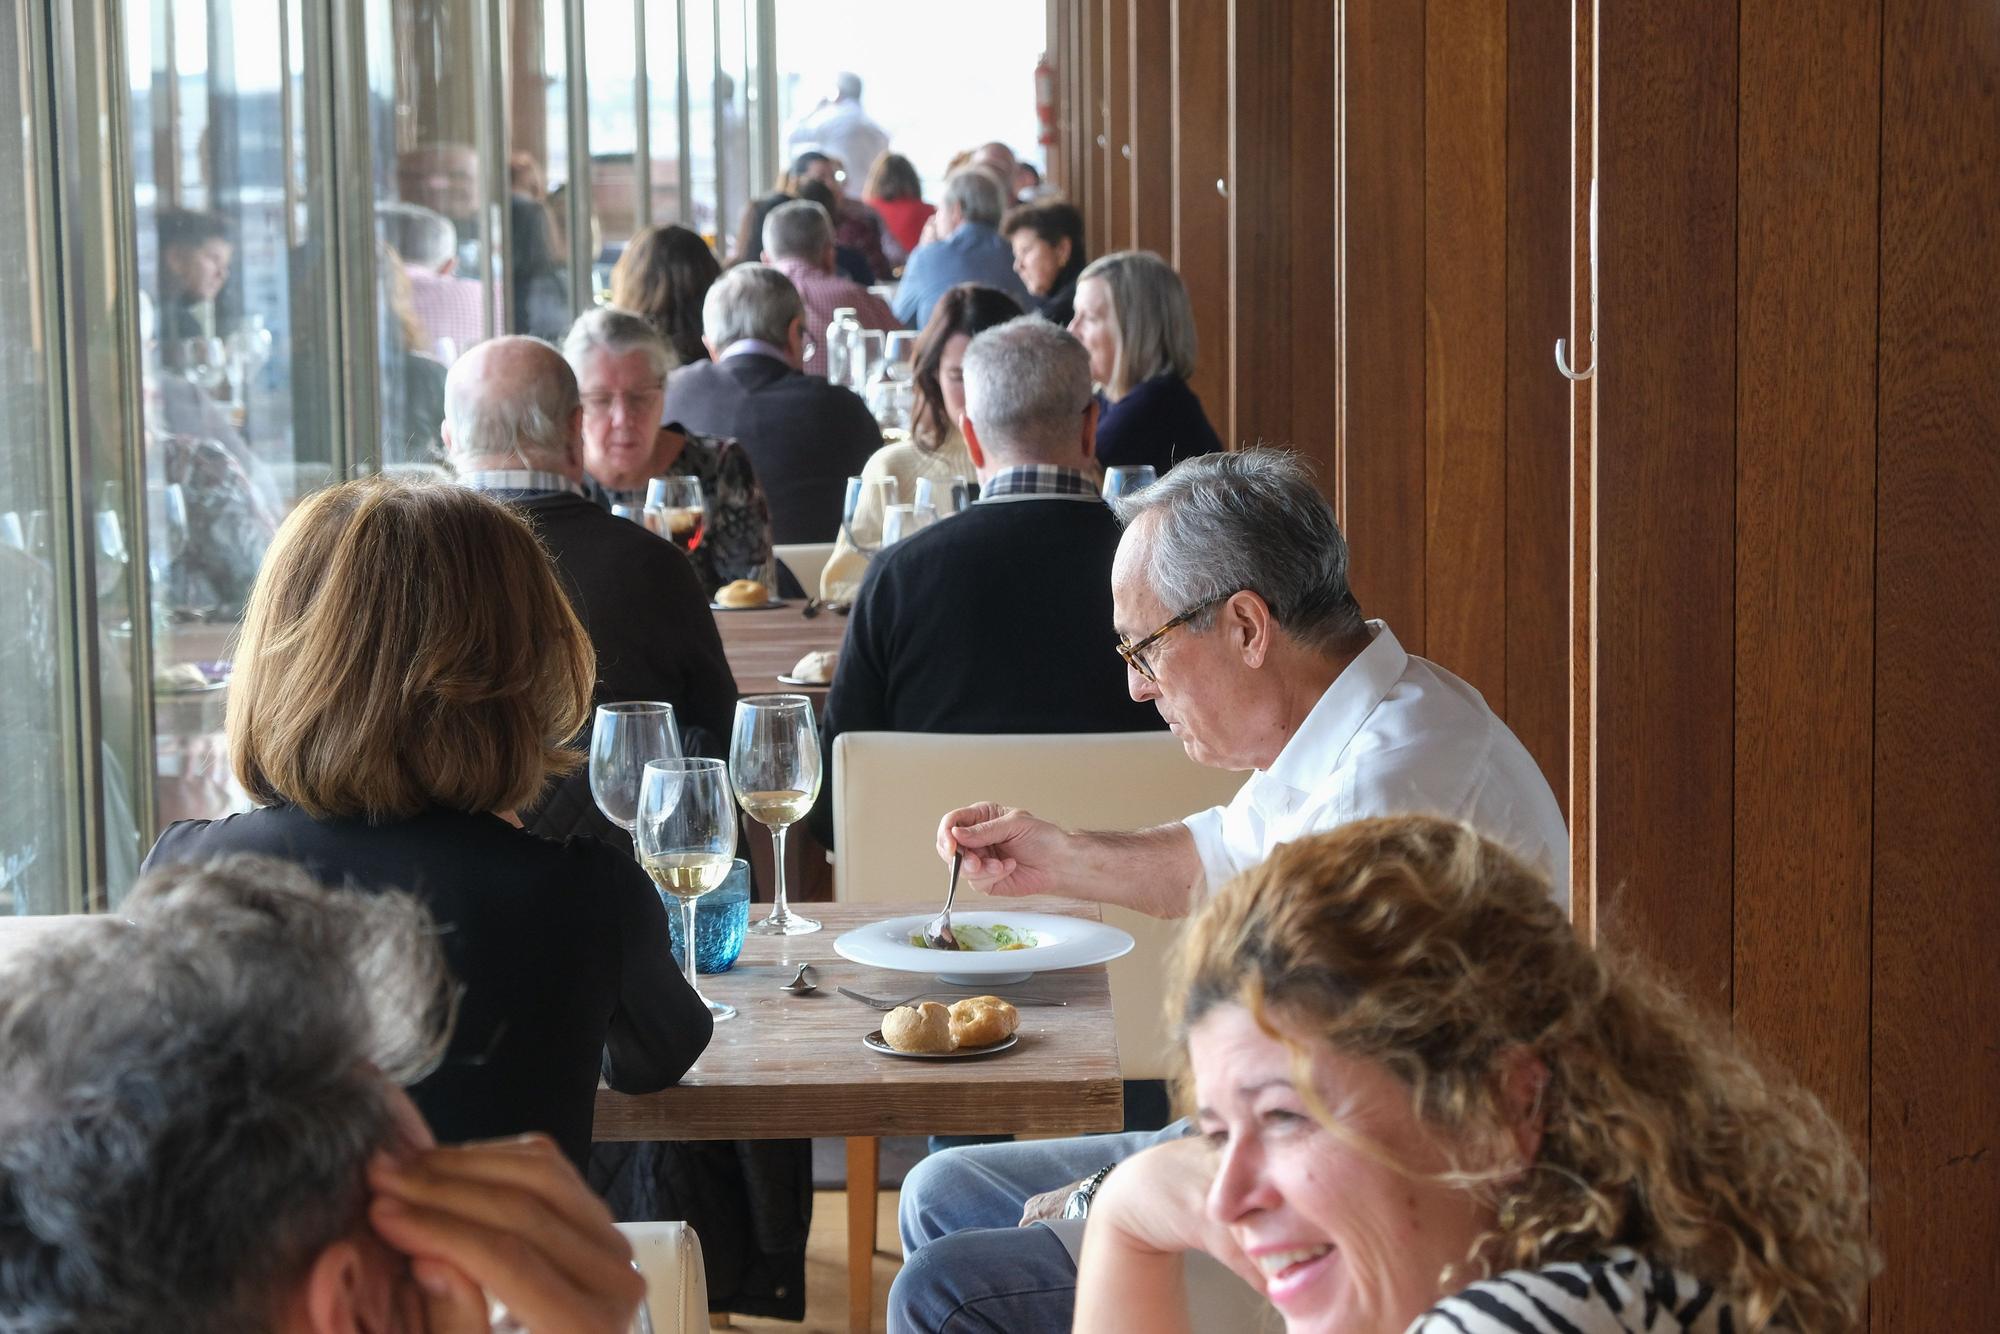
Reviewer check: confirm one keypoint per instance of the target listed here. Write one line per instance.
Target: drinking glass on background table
(774, 767)
(885, 489)
(624, 739)
(899, 521)
(686, 838)
(899, 354)
(166, 528)
(1125, 479)
(675, 510)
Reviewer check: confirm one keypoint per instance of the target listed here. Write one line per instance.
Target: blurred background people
(798, 242)
(969, 249)
(856, 226)
(1133, 314)
(841, 128)
(446, 304)
(408, 673)
(444, 177)
(621, 368)
(894, 190)
(663, 276)
(806, 437)
(411, 382)
(1048, 254)
(195, 254)
(935, 450)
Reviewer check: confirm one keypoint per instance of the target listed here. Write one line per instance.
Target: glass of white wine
(624, 739)
(774, 766)
(686, 837)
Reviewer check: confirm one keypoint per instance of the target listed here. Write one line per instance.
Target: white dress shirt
(1393, 735)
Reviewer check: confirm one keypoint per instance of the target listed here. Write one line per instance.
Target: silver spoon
(805, 983)
(938, 934)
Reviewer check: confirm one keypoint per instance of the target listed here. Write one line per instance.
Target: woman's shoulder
(905, 461)
(1618, 1292)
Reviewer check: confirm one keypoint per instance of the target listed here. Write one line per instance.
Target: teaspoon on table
(804, 983)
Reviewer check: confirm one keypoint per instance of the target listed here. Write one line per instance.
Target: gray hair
(616, 332)
(750, 301)
(975, 194)
(798, 230)
(527, 416)
(1155, 318)
(1222, 523)
(193, 1095)
(1027, 384)
(422, 236)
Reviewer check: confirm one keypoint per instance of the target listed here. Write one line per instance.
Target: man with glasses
(621, 367)
(1231, 597)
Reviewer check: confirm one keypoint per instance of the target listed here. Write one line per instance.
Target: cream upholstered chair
(669, 1255)
(805, 560)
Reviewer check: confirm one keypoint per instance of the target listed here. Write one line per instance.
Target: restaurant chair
(805, 560)
(890, 789)
(669, 1255)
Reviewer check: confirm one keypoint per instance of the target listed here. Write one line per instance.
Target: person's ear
(795, 339)
(1524, 1080)
(444, 434)
(336, 1293)
(972, 446)
(1062, 249)
(763, 257)
(1089, 443)
(714, 352)
(1247, 619)
(574, 436)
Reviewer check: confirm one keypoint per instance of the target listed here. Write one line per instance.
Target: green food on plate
(985, 939)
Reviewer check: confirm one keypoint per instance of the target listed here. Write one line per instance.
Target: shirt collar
(1324, 735)
(1037, 479)
(755, 347)
(518, 479)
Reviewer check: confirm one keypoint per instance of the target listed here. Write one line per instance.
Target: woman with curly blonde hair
(1425, 1105)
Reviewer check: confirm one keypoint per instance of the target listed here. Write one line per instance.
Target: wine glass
(1125, 479)
(899, 521)
(885, 488)
(624, 739)
(899, 354)
(774, 767)
(166, 528)
(686, 836)
(675, 510)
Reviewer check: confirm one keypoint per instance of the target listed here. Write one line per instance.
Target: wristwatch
(1080, 1198)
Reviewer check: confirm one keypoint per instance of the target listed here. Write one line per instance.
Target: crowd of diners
(332, 1065)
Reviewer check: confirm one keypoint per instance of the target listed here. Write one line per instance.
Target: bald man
(514, 428)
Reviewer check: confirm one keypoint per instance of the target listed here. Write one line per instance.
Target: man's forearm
(1153, 871)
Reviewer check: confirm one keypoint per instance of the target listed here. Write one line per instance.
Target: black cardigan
(561, 949)
(1159, 421)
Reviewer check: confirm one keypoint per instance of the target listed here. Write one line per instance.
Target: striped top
(1618, 1292)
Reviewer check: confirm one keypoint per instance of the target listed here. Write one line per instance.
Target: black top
(995, 620)
(647, 615)
(1059, 306)
(1159, 421)
(561, 948)
(804, 436)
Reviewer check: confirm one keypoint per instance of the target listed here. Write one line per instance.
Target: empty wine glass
(624, 739)
(946, 500)
(686, 836)
(899, 521)
(1125, 479)
(899, 354)
(857, 488)
(166, 528)
(675, 510)
(774, 765)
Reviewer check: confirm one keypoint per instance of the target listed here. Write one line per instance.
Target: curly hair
(1417, 944)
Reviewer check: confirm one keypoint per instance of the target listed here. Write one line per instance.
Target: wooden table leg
(864, 1163)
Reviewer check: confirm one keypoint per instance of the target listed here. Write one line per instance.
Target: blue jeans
(968, 1267)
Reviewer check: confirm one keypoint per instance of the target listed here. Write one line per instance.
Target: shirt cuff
(1211, 847)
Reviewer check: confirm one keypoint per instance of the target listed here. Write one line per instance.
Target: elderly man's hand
(1007, 851)
(513, 1221)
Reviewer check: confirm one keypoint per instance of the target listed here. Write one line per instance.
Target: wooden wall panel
(1151, 122)
(1936, 1068)
(1666, 485)
(1380, 330)
(1537, 399)
(1087, 192)
(1465, 315)
(1116, 92)
(1808, 127)
(1200, 237)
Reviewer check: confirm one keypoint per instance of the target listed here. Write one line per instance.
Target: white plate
(713, 605)
(875, 1042)
(801, 681)
(1069, 942)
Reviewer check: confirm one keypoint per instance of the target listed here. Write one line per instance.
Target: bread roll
(743, 593)
(816, 666)
(981, 1021)
(924, 1028)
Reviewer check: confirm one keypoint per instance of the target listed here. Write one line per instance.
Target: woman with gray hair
(1133, 315)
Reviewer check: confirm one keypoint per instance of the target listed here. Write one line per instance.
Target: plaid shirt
(1030, 480)
(518, 479)
(448, 307)
(824, 293)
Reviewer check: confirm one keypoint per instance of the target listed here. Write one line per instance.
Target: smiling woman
(1411, 1076)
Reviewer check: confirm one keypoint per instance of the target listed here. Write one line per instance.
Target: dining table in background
(792, 1067)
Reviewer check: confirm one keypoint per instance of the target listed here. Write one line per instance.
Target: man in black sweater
(513, 428)
(998, 619)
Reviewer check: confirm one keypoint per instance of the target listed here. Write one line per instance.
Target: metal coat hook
(1562, 344)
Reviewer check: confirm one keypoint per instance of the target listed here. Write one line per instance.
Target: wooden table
(793, 1066)
(761, 644)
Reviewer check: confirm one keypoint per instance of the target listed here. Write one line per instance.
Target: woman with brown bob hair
(408, 672)
(935, 448)
(1424, 1104)
(664, 275)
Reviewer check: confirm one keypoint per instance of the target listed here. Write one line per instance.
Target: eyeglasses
(638, 402)
(1135, 654)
